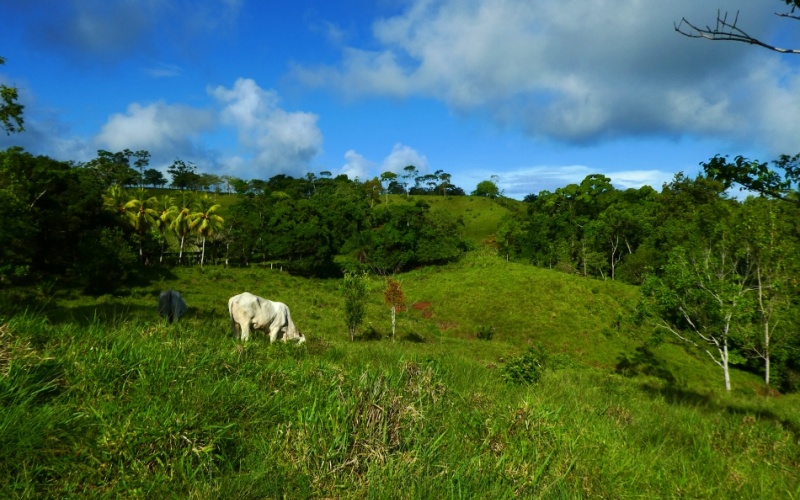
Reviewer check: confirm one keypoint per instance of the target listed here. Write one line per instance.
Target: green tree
(153, 177)
(166, 211)
(444, 179)
(486, 189)
(410, 173)
(184, 175)
(770, 249)
(372, 189)
(10, 110)
(354, 288)
(181, 222)
(780, 181)
(703, 298)
(115, 168)
(139, 213)
(387, 178)
(205, 221)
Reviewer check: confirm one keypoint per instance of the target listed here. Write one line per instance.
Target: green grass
(101, 398)
(480, 215)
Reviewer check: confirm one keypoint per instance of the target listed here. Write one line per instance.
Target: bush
(528, 367)
(524, 369)
(485, 332)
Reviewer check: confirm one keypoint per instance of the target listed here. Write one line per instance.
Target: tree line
(90, 223)
(718, 273)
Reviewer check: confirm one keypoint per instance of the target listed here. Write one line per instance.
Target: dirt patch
(421, 306)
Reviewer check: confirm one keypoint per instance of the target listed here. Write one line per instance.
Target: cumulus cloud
(517, 183)
(278, 141)
(401, 157)
(356, 166)
(578, 71)
(160, 128)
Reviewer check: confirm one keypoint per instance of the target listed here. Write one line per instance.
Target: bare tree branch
(729, 31)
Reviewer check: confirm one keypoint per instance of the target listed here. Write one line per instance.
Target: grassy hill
(101, 398)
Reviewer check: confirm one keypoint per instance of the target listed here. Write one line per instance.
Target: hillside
(105, 399)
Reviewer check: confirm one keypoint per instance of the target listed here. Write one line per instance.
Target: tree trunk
(393, 321)
(203, 254)
(180, 253)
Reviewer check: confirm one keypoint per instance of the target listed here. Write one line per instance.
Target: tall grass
(101, 398)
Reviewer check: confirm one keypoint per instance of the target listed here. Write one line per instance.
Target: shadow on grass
(414, 337)
(644, 362)
(708, 404)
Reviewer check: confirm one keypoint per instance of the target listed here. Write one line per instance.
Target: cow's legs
(274, 331)
(245, 331)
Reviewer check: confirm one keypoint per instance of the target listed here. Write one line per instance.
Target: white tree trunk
(393, 321)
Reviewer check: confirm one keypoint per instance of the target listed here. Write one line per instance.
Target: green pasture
(101, 398)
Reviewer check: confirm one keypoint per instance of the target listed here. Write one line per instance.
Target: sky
(540, 93)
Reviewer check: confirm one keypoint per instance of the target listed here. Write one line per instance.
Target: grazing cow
(171, 305)
(251, 311)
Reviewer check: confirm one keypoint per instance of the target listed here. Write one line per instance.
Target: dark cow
(171, 305)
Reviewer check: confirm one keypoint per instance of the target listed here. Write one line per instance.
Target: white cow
(171, 305)
(251, 311)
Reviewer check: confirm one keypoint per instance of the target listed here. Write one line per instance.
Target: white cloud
(278, 141)
(517, 183)
(401, 157)
(356, 166)
(162, 129)
(580, 71)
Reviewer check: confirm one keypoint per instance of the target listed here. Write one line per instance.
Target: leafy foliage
(354, 288)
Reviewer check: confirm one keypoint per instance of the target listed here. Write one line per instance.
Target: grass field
(101, 398)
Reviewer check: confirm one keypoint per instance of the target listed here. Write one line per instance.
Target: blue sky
(540, 93)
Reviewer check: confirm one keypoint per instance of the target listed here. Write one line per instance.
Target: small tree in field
(394, 297)
(354, 289)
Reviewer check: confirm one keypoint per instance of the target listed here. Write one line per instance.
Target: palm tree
(167, 211)
(181, 220)
(205, 221)
(114, 201)
(141, 215)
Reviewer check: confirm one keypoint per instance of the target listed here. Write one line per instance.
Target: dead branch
(729, 31)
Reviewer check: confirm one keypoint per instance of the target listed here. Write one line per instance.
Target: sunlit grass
(102, 398)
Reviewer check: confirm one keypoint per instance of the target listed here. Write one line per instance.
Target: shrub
(524, 369)
(485, 332)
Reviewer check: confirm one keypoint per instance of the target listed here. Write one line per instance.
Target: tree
(764, 233)
(372, 189)
(487, 189)
(394, 297)
(387, 178)
(153, 177)
(142, 216)
(410, 174)
(10, 109)
(702, 298)
(115, 168)
(184, 175)
(355, 288)
(180, 223)
(727, 29)
(757, 176)
(166, 213)
(205, 221)
(142, 160)
(444, 178)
